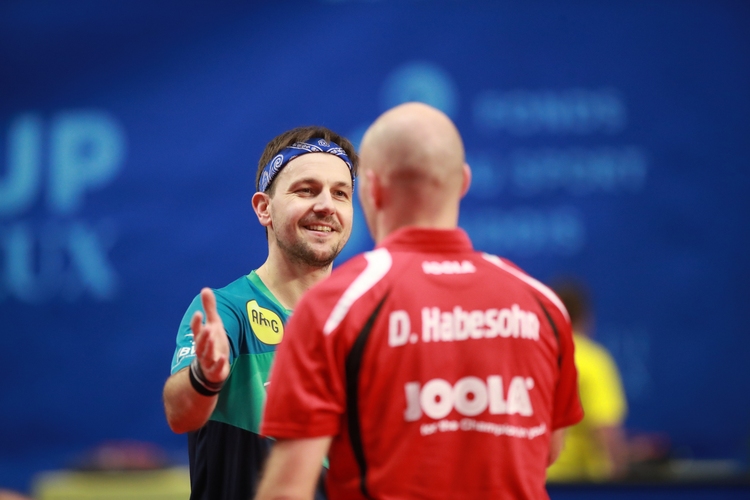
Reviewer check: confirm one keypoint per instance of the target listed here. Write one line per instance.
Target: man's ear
(375, 189)
(262, 207)
(467, 180)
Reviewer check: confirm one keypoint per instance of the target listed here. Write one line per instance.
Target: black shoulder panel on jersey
(353, 366)
(554, 330)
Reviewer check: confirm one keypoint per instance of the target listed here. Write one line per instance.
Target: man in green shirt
(228, 336)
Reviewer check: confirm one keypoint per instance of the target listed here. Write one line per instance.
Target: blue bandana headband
(273, 167)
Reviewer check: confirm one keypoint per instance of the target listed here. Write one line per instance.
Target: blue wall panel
(607, 139)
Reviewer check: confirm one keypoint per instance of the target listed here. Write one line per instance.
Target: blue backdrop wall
(607, 139)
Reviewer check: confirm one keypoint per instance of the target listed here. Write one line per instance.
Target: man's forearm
(556, 444)
(186, 410)
(293, 468)
(612, 440)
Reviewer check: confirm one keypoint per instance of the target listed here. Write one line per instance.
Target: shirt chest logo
(265, 323)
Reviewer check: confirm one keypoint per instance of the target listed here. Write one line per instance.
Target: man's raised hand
(211, 342)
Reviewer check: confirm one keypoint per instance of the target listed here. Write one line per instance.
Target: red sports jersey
(440, 371)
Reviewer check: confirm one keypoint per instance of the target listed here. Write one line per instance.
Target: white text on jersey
(457, 325)
(448, 267)
(470, 396)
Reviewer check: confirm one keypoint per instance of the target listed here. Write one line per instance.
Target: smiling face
(311, 209)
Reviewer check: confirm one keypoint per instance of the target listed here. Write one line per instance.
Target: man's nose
(324, 203)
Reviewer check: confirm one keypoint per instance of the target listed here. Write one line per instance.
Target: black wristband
(199, 382)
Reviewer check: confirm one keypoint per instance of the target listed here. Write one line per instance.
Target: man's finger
(209, 305)
(195, 323)
(208, 352)
(205, 347)
(215, 373)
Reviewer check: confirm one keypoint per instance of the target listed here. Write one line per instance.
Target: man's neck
(288, 280)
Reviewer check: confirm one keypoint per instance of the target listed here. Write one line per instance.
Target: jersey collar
(428, 240)
(258, 283)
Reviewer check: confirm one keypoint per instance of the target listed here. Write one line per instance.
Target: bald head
(416, 155)
(414, 139)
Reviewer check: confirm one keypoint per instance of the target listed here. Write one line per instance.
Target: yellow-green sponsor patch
(266, 324)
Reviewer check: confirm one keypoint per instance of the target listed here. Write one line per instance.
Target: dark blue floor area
(716, 491)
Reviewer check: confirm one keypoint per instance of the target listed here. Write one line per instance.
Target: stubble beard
(301, 252)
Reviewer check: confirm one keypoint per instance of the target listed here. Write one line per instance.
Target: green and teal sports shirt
(227, 454)
(254, 321)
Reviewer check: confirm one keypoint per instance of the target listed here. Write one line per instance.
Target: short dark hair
(575, 296)
(303, 134)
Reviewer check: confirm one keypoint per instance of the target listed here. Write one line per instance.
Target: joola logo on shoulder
(266, 324)
(448, 267)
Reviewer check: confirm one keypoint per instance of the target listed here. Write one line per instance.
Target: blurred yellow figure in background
(595, 449)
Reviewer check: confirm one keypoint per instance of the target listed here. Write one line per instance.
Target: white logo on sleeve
(183, 353)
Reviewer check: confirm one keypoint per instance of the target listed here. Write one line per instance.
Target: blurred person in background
(228, 336)
(596, 448)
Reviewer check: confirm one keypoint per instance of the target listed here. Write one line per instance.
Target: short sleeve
(567, 408)
(185, 350)
(306, 397)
